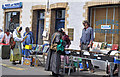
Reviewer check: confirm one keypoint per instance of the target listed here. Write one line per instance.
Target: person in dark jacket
(53, 62)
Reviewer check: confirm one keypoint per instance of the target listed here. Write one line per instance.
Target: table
(71, 63)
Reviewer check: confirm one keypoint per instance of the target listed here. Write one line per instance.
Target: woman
(28, 41)
(16, 52)
(53, 62)
(7, 37)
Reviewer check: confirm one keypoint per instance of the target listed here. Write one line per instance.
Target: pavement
(10, 70)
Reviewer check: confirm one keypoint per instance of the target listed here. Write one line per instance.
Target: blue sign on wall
(12, 5)
(109, 21)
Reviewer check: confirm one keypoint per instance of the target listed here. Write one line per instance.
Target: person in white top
(1, 34)
(16, 52)
(7, 37)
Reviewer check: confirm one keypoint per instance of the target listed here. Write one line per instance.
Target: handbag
(53, 46)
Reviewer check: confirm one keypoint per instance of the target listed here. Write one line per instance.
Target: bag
(53, 46)
(28, 47)
(61, 47)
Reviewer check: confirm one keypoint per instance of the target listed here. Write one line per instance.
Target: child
(12, 43)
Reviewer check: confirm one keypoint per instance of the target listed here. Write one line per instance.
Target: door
(41, 26)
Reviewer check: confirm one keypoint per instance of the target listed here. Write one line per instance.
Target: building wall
(77, 12)
(75, 21)
(1, 15)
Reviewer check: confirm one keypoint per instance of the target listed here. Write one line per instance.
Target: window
(71, 33)
(12, 20)
(42, 15)
(61, 14)
(60, 19)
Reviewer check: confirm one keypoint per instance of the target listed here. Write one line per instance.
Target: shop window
(60, 19)
(71, 33)
(107, 16)
(12, 20)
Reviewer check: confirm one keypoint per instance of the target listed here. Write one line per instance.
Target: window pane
(42, 15)
(60, 13)
(12, 20)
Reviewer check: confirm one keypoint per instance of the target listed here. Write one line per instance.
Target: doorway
(40, 27)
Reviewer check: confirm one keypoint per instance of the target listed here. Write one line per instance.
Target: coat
(53, 62)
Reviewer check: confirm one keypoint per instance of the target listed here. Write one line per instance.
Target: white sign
(47, 19)
(105, 26)
(47, 24)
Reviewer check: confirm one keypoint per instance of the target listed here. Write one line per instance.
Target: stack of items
(26, 61)
(29, 61)
(101, 47)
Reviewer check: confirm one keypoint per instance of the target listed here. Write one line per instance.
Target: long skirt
(16, 53)
(53, 62)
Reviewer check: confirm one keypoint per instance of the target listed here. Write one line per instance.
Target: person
(85, 43)
(1, 34)
(53, 62)
(12, 43)
(7, 37)
(66, 38)
(28, 41)
(16, 52)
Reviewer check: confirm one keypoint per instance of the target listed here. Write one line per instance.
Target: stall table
(107, 59)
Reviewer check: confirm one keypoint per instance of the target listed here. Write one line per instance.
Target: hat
(19, 28)
(60, 30)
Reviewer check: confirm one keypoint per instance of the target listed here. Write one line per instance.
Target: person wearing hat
(53, 62)
(1, 34)
(85, 43)
(16, 52)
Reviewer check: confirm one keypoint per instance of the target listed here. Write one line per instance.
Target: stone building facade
(67, 14)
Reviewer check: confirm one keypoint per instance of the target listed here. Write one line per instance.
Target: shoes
(83, 69)
(92, 71)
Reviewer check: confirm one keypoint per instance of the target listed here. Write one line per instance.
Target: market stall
(97, 56)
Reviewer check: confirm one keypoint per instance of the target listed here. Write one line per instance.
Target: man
(29, 40)
(1, 34)
(85, 43)
(53, 62)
